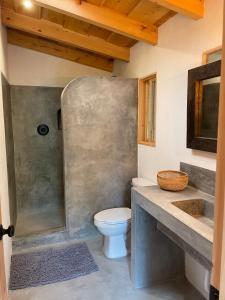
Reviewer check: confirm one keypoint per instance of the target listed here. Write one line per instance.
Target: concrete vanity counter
(162, 232)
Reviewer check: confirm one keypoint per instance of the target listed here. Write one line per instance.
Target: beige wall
(4, 197)
(28, 67)
(181, 44)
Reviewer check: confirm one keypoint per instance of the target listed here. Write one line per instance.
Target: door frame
(218, 271)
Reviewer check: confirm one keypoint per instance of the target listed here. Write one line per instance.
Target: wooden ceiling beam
(60, 34)
(191, 8)
(28, 41)
(104, 17)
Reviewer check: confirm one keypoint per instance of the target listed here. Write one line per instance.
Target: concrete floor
(112, 282)
(42, 221)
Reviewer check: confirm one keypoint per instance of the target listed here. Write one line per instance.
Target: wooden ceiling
(91, 32)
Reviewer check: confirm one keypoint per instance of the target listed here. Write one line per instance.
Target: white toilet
(114, 224)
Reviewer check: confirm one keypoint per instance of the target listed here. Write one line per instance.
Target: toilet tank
(137, 182)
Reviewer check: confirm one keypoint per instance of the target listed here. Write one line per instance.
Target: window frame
(206, 54)
(142, 110)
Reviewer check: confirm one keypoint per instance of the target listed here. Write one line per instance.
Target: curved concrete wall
(100, 147)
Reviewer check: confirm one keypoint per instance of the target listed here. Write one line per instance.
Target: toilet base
(115, 246)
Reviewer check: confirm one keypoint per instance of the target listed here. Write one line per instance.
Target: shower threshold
(39, 222)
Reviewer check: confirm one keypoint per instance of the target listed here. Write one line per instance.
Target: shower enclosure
(64, 171)
(38, 159)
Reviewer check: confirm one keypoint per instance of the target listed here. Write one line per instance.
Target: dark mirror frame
(194, 76)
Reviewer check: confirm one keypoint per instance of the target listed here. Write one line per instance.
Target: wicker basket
(172, 180)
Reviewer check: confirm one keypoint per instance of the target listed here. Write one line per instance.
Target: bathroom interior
(110, 143)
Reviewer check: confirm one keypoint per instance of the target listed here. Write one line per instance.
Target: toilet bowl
(114, 224)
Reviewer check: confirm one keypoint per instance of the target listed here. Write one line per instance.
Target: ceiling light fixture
(27, 4)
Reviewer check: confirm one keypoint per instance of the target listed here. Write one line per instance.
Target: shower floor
(28, 224)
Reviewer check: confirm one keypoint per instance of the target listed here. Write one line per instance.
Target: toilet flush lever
(10, 231)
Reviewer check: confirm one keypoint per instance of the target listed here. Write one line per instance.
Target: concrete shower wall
(9, 149)
(100, 147)
(38, 159)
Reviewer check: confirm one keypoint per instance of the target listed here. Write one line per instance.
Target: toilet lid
(114, 215)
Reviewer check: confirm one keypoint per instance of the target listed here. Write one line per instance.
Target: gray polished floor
(112, 282)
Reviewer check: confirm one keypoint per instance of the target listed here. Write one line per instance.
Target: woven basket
(172, 180)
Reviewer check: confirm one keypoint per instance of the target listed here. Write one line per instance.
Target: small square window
(147, 110)
(212, 55)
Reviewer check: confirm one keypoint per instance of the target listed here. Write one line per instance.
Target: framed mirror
(202, 107)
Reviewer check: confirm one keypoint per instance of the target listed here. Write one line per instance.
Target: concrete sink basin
(199, 209)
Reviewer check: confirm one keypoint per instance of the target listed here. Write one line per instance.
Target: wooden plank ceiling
(91, 32)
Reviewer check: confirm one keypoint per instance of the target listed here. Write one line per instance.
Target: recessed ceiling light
(27, 4)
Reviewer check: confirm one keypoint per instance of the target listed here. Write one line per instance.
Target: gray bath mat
(50, 266)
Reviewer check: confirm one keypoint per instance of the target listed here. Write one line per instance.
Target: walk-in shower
(72, 153)
(38, 156)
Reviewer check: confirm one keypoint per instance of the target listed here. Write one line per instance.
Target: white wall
(4, 196)
(28, 67)
(181, 44)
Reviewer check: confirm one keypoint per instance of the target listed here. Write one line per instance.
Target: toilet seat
(113, 216)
